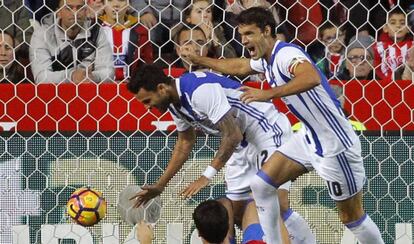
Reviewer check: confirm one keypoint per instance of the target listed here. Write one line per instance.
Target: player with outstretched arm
(337, 150)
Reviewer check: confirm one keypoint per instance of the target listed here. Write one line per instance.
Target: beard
(164, 105)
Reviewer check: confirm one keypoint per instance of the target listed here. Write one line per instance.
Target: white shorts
(344, 174)
(240, 169)
(246, 162)
(299, 149)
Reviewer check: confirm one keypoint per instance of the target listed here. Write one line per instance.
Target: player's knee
(262, 184)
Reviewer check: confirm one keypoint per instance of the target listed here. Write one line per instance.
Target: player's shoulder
(198, 74)
(199, 78)
(192, 81)
(286, 49)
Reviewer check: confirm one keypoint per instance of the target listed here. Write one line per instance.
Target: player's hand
(194, 187)
(147, 193)
(145, 232)
(255, 95)
(148, 19)
(188, 54)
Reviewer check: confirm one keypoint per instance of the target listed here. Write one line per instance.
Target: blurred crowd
(53, 41)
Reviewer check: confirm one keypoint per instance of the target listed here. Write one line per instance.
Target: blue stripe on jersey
(346, 174)
(189, 82)
(343, 161)
(318, 145)
(286, 79)
(324, 81)
(346, 141)
(343, 132)
(330, 118)
(260, 116)
(276, 138)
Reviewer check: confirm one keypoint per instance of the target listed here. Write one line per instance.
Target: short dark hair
(9, 33)
(259, 16)
(328, 25)
(147, 76)
(185, 27)
(396, 11)
(212, 221)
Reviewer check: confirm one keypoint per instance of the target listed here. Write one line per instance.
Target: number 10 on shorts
(334, 188)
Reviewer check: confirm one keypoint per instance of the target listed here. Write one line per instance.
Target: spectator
(130, 40)
(15, 19)
(159, 16)
(96, 7)
(190, 35)
(68, 48)
(199, 13)
(329, 52)
(359, 59)
(11, 71)
(7, 63)
(391, 50)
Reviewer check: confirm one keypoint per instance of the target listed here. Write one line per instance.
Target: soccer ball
(86, 206)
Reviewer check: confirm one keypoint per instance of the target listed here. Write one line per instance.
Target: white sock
(298, 228)
(365, 230)
(267, 203)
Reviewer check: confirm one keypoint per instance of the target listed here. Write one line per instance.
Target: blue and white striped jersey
(317, 108)
(206, 97)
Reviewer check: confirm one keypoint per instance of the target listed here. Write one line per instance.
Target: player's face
(358, 64)
(6, 50)
(116, 9)
(396, 26)
(158, 99)
(334, 39)
(72, 12)
(253, 39)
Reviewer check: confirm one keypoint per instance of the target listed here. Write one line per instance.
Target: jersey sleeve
(181, 124)
(210, 100)
(257, 65)
(288, 58)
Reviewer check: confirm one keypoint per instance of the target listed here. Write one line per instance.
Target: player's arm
(305, 77)
(230, 66)
(231, 136)
(182, 149)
